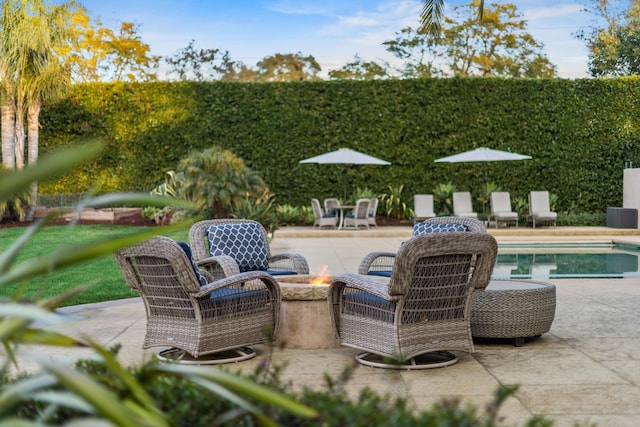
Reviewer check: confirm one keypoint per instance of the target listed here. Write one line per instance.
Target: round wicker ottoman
(515, 309)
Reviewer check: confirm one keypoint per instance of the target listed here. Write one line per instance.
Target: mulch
(133, 220)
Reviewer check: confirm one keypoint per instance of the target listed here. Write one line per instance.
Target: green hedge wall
(580, 133)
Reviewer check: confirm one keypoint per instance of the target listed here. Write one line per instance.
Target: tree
(33, 36)
(218, 181)
(288, 67)
(495, 45)
(359, 69)
(433, 14)
(100, 54)
(614, 50)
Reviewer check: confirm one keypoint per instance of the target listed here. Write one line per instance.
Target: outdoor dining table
(341, 210)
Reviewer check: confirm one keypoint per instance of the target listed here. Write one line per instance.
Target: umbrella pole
(484, 191)
(344, 186)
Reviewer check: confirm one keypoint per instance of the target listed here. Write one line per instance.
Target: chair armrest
(220, 266)
(240, 279)
(361, 283)
(289, 261)
(377, 261)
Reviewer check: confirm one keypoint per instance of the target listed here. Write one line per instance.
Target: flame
(322, 278)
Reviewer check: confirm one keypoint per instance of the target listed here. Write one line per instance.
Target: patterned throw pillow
(242, 242)
(426, 228)
(187, 250)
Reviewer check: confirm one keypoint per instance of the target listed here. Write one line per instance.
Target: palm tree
(33, 37)
(217, 180)
(433, 13)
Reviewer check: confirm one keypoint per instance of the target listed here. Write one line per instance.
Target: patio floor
(587, 368)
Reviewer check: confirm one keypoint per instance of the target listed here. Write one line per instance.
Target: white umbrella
(345, 156)
(483, 154)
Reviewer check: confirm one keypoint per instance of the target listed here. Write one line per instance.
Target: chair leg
(435, 359)
(175, 355)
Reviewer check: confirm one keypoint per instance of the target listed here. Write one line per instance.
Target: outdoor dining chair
(360, 215)
(321, 218)
(423, 314)
(201, 320)
(229, 246)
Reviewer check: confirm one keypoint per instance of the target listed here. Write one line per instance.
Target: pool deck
(587, 368)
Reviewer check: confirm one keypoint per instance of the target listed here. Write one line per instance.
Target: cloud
(533, 14)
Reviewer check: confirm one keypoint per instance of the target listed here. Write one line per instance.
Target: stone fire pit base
(304, 314)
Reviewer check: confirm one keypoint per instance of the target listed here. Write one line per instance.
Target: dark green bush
(579, 133)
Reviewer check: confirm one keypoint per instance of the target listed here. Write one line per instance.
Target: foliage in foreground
(57, 387)
(190, 404)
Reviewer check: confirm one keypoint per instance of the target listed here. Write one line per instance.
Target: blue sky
(333, 31)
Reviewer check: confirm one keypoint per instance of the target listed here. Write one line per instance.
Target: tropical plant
(433, 13)
(394, 204)
(57, 385)
(443, 198)
(363, 193)
(258, 208)
(287, 215)
(218, 181)
(171, 187)
(306, 214)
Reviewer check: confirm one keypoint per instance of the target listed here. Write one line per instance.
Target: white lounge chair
(501, 209)
(462, 205)
(539, 209)
(422, 207)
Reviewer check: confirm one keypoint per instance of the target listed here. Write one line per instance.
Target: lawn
(102, 275)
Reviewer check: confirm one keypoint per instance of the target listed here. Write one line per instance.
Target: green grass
(102, 275)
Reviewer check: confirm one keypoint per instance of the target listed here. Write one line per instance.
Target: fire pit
(304, 312)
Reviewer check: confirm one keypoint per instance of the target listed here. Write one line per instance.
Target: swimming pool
(566, 261)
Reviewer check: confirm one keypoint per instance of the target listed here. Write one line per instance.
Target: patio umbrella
(483, 154)
(346, 157)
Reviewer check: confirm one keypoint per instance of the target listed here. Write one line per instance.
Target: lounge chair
(462, 205)
(228, 246)
(360, 215)
(199, 319)
(322, 219)
(422, 207)
(381, 263)
(501, 209)
(540, 210)
(423, 314)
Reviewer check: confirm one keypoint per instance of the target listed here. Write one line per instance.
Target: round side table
(515, 309)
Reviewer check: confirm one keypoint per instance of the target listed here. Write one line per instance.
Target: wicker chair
(424, 312)
(360, 216)
(243, 245)
(373, 210)
(330, 205)
(381, 263)
(320, 218)
(202, 321)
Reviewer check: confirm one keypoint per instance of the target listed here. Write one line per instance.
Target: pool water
(566, 261)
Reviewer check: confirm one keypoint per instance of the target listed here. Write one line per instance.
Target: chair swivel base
(175, 355)
(434, 359)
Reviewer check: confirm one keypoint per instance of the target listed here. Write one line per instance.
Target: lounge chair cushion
(242, 242)
(425, 228)
(187, 250)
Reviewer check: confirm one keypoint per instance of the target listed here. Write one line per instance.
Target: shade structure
(483, 154)
(345, 156)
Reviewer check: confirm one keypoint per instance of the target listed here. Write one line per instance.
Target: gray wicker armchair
(200, 320)
(225, 247)
(424, 312)
(381, 263)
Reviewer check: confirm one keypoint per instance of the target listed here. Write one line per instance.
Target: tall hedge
(579, 133)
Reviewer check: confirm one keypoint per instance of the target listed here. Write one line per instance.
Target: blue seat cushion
(426, 228)
(329, 215)
(379, 273)
(368, 305)
(280, 272)
(187, 250)
(243, 242)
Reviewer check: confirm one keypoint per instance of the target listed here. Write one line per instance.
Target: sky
(333, 31)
